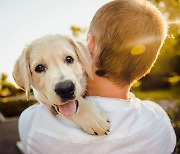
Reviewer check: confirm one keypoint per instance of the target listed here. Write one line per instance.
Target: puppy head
(54, 67)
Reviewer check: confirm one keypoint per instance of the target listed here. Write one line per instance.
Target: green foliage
(14, 107)
(78, 32)
(155, 81)
(172, 94)
(175, 64)
(169, 7)
(168, 62)
(7, 88)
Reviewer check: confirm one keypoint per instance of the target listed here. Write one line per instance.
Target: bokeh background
(23, 21)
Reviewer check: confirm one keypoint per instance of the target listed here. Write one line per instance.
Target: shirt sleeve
(25, 123)
(162, 138)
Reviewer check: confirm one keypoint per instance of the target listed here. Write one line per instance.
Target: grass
(172, 94)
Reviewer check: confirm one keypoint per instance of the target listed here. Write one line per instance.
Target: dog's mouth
(68, 108)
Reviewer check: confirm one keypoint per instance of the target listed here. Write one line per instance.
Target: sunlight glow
(138, 49)
(174, 22)
(145, 40)
(172, 36)
(174, 79)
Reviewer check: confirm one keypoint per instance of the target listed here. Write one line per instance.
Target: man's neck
(105, 88)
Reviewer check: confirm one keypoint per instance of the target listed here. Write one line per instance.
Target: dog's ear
(83, 55)
(21, 72)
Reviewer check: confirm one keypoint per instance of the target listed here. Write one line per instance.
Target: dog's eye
(40, 68)
(69, 60)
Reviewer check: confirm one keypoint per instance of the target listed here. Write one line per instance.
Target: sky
(22, 21)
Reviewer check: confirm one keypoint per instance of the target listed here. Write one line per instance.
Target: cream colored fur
(51, 51)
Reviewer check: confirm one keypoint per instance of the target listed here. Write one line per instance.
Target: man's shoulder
(138, 113)
(142, 106)
(139, 120)
(152, 114)
(153, 108)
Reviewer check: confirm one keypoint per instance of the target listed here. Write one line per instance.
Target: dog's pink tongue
(68, 109)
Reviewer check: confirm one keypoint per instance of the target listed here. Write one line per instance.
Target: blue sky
(22, 21)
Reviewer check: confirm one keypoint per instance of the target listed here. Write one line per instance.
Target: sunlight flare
(174, 22)
(138, 49)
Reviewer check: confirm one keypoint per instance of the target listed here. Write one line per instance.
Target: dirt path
(9, 136)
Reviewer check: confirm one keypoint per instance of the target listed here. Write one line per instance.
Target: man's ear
(83, 55)
(21, 72)
(91, 44)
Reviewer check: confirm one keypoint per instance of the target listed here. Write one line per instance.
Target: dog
(56, 68)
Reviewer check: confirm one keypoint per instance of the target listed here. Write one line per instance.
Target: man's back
(133, 130)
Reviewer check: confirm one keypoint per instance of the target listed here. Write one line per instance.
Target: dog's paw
(91, 119)
(96, 123)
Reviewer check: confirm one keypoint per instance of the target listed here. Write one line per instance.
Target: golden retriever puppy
(55, 67)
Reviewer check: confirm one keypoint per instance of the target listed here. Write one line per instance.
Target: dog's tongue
(68, 109)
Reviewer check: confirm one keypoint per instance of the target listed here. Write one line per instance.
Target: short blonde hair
(129, 35)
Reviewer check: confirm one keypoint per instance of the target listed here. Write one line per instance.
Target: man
(124, 39)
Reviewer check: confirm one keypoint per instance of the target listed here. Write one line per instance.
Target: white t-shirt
(136, 127)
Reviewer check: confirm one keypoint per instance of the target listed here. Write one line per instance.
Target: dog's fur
(51, 51)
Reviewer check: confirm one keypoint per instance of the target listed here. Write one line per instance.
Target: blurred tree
(168, 62)
(175, 64)
(75, 30)
(79, 32)
(7, 88)
(170, 8)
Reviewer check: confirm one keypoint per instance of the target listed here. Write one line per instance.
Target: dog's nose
(65, 90)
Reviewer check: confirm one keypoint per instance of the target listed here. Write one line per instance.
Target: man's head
(125, 37)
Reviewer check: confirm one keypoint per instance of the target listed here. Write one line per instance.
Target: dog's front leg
(90, 118)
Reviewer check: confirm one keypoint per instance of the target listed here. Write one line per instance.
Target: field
(172, 94)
